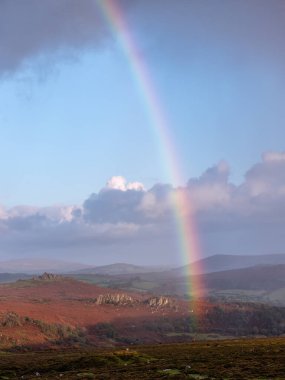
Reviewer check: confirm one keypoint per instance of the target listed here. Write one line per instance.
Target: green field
(234, 359)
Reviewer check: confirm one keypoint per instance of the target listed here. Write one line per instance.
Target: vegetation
(235, 359)
(217, 321)
(262, 283)
(56, 333)
(235, 320)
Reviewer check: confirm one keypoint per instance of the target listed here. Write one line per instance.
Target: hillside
(263, 283)
(218, 263)
(12, 277)
(215, 263)
(52, 310)
(262, 277)
(118, 269)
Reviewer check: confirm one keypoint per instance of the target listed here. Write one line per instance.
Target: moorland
(127, 324)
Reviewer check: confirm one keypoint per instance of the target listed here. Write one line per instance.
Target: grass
(131, 284)
(144, 285)
(273, 297)
(201, 336)
(216, 360)
(170, 372)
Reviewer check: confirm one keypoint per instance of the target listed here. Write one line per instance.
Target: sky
(83, 173)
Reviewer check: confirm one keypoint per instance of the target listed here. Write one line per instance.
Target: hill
(52, 310)
(218, 263)
(262, 277)
(263, 283)
(118, 269)
(12, 277)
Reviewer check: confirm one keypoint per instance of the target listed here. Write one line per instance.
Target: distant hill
(11, 277)
(120, 269)
(262, 277)
(263, 283)
(34, 266)
(255, 277)
(219, 263)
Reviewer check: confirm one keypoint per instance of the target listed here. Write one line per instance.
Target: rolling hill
(263, 284)
(218, 263)
(265, 277)
(50, 311)
(12, 277)
(120, 268)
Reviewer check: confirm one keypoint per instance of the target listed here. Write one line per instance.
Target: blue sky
(73, 130)
(71, 116)
(71, 123)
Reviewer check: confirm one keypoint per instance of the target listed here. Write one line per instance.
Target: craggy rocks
(115, 299)
(160, 302)
(126, 300)
(47, 277)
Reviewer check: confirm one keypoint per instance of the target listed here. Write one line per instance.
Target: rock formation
(115, 299)
(47, 277)
(160, 302)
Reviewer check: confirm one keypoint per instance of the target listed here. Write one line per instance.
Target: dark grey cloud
(240, 31)
(114, 206)
(182, 30)
(31, 28)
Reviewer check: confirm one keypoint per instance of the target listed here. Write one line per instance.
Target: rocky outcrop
(10, 319)
(47, 277)
(121, 299)
(115, 299)
(160, 302)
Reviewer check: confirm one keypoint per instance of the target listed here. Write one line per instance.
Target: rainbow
(187, 234)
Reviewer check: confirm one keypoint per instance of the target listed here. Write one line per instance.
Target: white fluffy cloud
(127, 219)
(120, 183)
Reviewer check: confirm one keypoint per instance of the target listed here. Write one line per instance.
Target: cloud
(120, 201)
(126, 220)
(120, 215)
(212, 188)
(245, 218)
(267, 177)
(32, 28)
(273, 156)
(120, 183)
